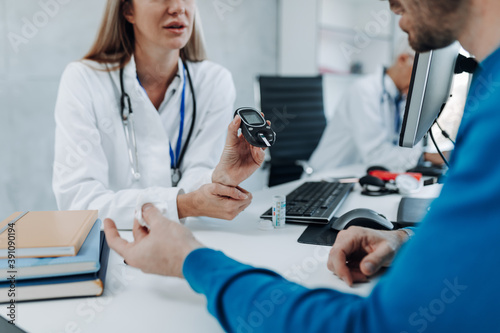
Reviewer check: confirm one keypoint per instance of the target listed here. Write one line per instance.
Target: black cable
(124, 97)
(194, 113)
(445, 134)
(438, 150)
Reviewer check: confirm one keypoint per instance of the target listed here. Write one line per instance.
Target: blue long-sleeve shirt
(444, 280)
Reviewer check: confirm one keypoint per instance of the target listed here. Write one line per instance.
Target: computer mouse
(362, 218)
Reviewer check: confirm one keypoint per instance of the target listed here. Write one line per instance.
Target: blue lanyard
(397, 119)
(397, 104)
(174, 160)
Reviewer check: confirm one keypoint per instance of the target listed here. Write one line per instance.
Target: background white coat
(362, 130)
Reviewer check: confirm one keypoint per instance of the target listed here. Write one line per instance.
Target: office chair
(295, 107)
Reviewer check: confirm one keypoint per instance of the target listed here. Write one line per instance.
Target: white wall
(316, 35)
(355, 31)
(298, 37)
(30, 73)
(243, 37)
(37, 40)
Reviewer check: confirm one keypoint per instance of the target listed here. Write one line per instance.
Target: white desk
(137, 302)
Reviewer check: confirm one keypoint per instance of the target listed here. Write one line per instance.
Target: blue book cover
(79, 285)
(86, 261)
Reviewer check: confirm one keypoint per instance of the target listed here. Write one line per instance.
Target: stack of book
(47, 255)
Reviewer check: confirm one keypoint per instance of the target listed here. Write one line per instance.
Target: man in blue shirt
(442, 280)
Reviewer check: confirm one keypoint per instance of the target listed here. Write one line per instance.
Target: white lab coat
(363, 129)
(92, 168)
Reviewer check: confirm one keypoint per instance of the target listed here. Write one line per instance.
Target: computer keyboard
(314, 202)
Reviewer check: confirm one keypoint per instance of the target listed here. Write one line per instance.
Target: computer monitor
(429, 91)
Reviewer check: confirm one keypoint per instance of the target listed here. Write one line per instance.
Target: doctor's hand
(214, 200)
(435, 158)
(360, 252)
(160, 250)
(239, 159)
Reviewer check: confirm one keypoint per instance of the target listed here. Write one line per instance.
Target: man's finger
(357, 276)
(338, 265)
(152, 215)
(372, 263)
(231, 192)
(113, 237)
(139, 231)
(347, 243)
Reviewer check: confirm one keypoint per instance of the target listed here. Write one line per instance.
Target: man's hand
(160, 250)
(239, 159)
(214, 200)
(361, 252)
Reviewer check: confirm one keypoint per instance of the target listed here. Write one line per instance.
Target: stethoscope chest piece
(176, 176)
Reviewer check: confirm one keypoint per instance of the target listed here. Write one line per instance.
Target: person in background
(149, 60)
(365, 128)
(442, 279)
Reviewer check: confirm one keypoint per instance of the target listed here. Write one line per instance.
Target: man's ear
(128, 12)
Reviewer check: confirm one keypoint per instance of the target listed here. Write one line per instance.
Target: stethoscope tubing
(127, 115)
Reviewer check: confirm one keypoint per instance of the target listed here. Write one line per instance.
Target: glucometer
(255, 128)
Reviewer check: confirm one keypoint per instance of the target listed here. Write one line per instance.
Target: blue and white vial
(279, 211)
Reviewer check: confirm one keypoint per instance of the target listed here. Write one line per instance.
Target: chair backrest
(295, 107)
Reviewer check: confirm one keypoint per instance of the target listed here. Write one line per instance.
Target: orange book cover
(45, 234)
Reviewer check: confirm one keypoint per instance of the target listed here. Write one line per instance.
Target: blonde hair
(115, 42)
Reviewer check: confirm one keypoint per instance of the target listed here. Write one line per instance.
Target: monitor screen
(252, 118)
(429, 91)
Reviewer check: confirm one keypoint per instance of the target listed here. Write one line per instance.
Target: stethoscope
(127, 115)
(397, 101)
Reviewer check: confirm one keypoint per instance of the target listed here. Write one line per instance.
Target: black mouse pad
(319, 234)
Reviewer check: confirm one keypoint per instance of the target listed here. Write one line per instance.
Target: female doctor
(143, 117)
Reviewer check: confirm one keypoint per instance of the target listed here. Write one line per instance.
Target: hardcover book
(81, 285)
(45, 234)
(86, 261)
